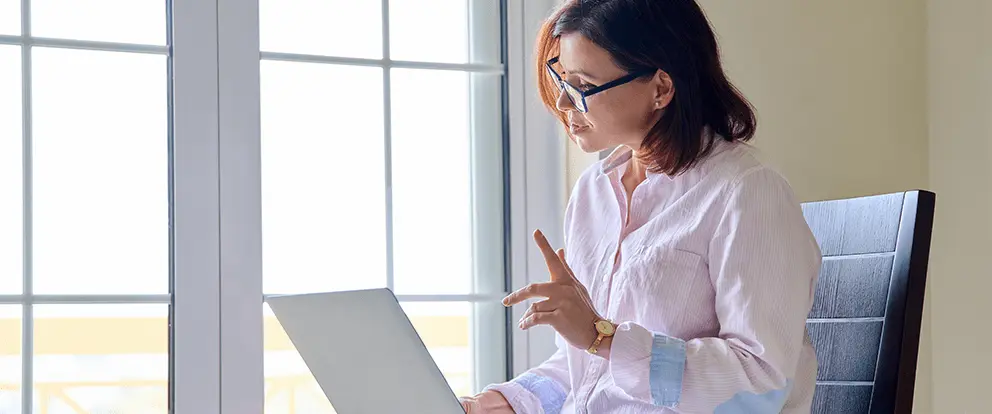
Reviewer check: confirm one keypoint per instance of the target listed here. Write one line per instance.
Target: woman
(688, 269)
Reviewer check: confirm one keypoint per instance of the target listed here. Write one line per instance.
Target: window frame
(530, 201)
(27, 298)
(215, 198)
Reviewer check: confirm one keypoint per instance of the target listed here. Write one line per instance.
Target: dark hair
(671, 35)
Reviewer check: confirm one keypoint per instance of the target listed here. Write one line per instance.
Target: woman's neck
(635, 174)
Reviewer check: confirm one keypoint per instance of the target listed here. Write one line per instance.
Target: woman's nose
(564, 104)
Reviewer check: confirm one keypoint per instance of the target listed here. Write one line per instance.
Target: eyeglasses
(578, 96)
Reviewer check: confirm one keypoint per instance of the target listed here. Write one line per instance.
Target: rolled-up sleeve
(763, 263)
(542, 389)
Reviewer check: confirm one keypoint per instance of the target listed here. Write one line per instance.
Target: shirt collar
(620, 155)
(618, 161)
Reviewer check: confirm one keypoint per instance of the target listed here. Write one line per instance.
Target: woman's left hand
(567, 307)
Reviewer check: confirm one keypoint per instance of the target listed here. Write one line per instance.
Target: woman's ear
(664, 89)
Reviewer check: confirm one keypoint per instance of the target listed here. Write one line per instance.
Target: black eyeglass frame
(582, 106)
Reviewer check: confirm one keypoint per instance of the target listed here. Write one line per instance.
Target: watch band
(595, 345)
(610, 329)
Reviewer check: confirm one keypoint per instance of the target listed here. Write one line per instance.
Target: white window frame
(188, 239)
(196, 345)
(536, 200)
(230, 380)
(216, 299)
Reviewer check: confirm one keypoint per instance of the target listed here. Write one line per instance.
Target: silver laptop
(364, 353)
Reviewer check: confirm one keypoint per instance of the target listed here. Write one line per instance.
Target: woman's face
(622, 115)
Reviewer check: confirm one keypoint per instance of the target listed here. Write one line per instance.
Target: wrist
(493, 400)
(604, 331)
(604, 348)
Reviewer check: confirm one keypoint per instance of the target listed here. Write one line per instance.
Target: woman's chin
(586, 145)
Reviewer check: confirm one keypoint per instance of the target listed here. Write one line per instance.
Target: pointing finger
(550, 258)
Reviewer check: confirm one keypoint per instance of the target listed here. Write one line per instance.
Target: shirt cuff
(648, 366)
(532, 393)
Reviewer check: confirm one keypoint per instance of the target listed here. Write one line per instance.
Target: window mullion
(27, 314)
(488, 319)
(195, 367)
(387, 123)
(242, 342)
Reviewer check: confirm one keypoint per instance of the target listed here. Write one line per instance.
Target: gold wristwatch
(605, 329)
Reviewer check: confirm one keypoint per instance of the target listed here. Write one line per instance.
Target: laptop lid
(364, 352)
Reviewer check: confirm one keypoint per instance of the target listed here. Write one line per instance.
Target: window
(166, 164)
(84, 207)
(381, 166)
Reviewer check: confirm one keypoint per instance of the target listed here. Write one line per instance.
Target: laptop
(364, 352)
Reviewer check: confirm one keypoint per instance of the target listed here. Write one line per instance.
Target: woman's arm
(541, 389)
(763, 264)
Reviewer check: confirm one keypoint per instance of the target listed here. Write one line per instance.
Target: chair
(866, 315)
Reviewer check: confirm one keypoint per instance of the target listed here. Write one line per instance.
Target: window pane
(10, 359)
(100, 173)
(444, 328)
(433, 175)
(10, 20)
(323, 194)
(101, 358)
(460, 31)
(10, 171)
(100, 20)
(346, 28)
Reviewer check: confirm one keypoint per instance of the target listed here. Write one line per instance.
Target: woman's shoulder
(740, 166)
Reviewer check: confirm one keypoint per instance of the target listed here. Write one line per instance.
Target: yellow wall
(840, 89)
(960, 95)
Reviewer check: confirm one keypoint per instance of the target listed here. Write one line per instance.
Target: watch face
(604, 327)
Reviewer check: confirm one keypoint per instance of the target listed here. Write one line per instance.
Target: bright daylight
(86, 193)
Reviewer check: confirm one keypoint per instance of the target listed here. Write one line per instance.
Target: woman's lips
(575, 129)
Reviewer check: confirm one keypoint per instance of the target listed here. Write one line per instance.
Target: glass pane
(100, 20)
(435, 179)
(101, 359)
(10, 359)
(100, 150)
(10, 171)
(10, 21)
(346, 28)
(444, 328)
(460, 31)
(323, 196)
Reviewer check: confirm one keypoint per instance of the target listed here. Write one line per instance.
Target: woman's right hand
(488, 402)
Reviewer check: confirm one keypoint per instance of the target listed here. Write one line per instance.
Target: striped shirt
(710, 280)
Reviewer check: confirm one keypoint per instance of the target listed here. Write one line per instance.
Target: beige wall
(960, 93)
(840, 88)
